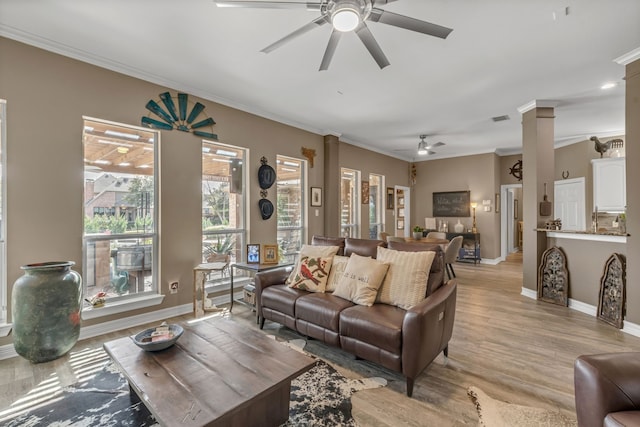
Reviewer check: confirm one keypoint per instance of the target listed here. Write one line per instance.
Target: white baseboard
(629, 328)
(491, 261)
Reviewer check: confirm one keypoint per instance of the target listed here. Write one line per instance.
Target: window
(290, 206)
(349, 202)
(3, 209)
(376, 205)
(120, 210)
(223, 204)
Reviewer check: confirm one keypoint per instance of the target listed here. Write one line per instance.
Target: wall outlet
(173, 287)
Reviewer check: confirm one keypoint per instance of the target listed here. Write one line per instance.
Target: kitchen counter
(600, 236)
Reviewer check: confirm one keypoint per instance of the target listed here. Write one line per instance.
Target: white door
(569, 202)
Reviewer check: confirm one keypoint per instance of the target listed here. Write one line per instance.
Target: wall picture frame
(364, 190)
(269, 254)
(390, 196)
(316, 196)
(400, 224)
(253, 253)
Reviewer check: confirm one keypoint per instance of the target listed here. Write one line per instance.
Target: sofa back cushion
(361, 280)
(329, 241)
(405, 284)
(363, 247)
(436, 273)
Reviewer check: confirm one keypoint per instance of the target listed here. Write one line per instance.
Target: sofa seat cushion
(321, 309)
(281, 298)
(379, 325)
(622, 419)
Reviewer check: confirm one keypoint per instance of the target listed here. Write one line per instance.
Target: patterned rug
(321, 396)
(494, 413)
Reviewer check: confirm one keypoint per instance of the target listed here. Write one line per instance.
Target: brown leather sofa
(607, 389)
(405, 341)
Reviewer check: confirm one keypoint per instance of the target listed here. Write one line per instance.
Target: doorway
(510, 217)
(403, 211)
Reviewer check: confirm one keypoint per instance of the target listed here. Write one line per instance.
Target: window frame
(378, 203)
(355, 226)
(304, 216)
(5, 327)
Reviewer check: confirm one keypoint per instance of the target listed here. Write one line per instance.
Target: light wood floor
(514, 348)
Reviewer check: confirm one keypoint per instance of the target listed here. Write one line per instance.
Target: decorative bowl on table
(158, 338)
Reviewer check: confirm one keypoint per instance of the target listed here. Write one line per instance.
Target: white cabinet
(609, 184)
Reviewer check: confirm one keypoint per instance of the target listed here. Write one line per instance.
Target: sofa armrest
(606, 383)
(267, 278)
(427, 329)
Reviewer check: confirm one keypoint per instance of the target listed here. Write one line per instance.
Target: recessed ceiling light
(608, 85)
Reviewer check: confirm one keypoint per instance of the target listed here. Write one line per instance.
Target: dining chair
(451, 254)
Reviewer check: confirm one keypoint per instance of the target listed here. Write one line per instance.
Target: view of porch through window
(291, 212)
(120, 215)
(223, 205)
(376, 205)
(349, 202)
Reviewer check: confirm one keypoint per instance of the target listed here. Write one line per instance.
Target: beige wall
(479, 174)
(47, 96)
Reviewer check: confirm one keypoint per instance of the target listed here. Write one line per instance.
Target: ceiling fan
(344, 16)
(426, 149)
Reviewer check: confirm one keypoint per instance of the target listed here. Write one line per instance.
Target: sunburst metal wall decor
(178, 119)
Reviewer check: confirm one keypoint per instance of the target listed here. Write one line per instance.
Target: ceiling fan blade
(408, 23)
(372, 45)
(304, 29)
(269, 4)
(437, 144)
(331, 49)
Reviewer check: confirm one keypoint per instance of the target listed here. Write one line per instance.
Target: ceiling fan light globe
(422, 151)
(345, 19)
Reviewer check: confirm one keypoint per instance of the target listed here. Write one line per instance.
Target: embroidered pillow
(313, 251)
(337, 269)
(405, 284)
(313, 274)
(361, 280)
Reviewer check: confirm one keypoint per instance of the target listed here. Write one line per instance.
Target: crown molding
(628, 57)
(537, 103)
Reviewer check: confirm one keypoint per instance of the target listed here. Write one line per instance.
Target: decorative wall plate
(266, 208)
(266, 175)
(170, 118)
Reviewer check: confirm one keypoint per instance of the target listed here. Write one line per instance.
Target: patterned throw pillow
(405, 284)
(337, 269)
(313, 274)
(361, 280)
(311, 251)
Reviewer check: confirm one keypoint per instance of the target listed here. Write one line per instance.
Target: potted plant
(220, 251)
(417, 232)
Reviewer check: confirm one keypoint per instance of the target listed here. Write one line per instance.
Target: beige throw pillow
(313, 274)
(361, 280)
(311, 251)
(405, 284)
(337, 270)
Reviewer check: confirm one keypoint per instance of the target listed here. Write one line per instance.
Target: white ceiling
(501, 55)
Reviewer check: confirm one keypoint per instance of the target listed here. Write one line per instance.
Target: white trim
(629, 328)
(5, 328)
(587, 236)
(537, 103)
(491, 261)
(628, 57)
(132, 321)
(7, 352)
(504, 189)
(121, 306)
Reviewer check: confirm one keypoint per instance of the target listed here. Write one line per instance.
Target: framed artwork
(316, 196)
(400, 201)
(400, 224)
(401, 212)
(389, 197)
(269, 254)
(253, 253)
(364, 189)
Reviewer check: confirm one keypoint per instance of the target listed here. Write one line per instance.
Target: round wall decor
(266, 208)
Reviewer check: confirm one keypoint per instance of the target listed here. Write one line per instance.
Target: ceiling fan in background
(345, 16)
(426, 149)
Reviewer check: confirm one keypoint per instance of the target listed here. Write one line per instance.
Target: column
(538, 169)
(331, 191)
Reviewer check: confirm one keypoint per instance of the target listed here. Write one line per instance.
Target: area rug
(494, 413)
(321, 396)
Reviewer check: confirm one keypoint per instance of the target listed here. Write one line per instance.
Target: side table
(253, 268)
(199, 276)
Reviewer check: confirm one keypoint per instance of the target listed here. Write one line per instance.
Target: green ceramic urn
(45, 310)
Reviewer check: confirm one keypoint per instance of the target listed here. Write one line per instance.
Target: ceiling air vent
(500, 118)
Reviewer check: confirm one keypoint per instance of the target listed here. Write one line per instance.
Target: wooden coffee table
(219, 373)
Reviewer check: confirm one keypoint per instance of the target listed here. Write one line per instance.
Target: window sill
(5, 329)
(121, 306)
